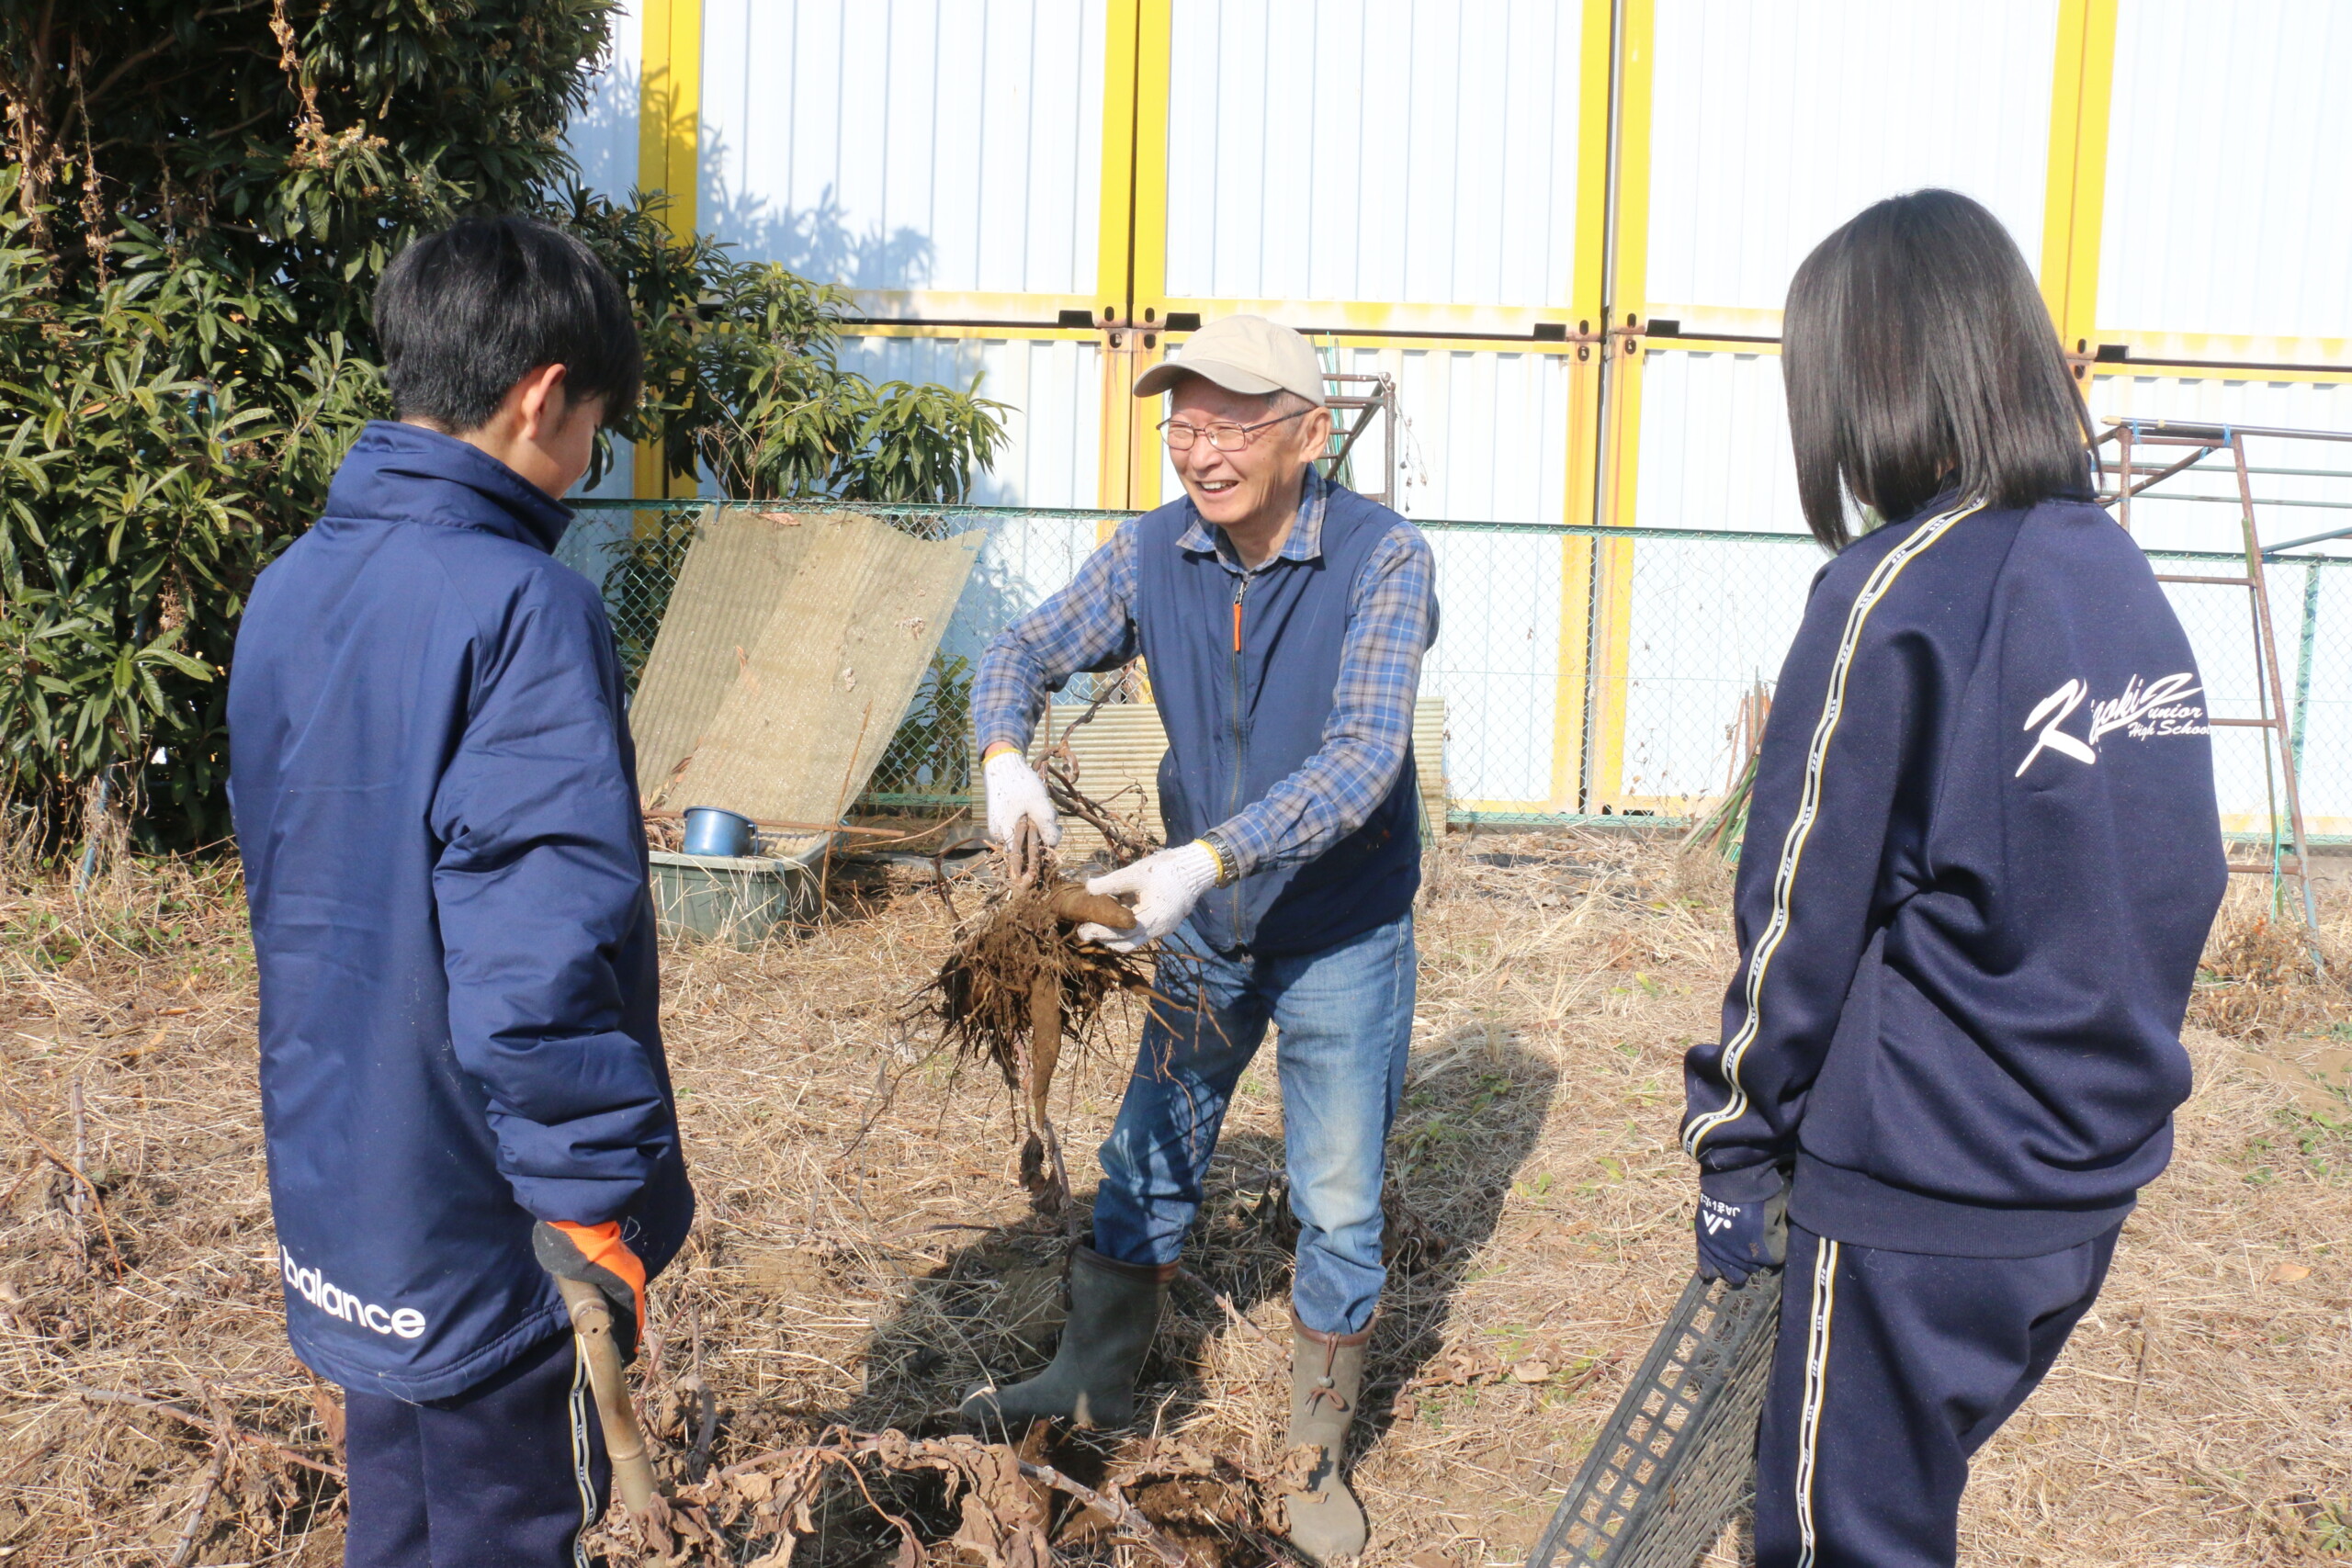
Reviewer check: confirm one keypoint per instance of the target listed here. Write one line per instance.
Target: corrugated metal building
(1564, 227)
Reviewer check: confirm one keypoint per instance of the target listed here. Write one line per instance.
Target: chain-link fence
(1585, 671)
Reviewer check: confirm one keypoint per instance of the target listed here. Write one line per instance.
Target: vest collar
(1305, 541)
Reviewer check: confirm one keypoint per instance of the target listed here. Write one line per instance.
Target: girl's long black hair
(1918, 358)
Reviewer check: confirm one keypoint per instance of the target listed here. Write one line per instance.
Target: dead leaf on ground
(2286, 1273)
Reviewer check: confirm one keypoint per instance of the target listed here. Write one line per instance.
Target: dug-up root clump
(1017, 983)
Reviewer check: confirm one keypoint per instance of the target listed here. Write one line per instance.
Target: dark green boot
(1114, 1311)
(1325, 1376)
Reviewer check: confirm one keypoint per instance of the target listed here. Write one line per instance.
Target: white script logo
(2141, 712)
(1716, 1215)
(337, 1302)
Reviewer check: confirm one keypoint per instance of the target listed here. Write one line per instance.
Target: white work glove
(1014, 792)
(1160, 888)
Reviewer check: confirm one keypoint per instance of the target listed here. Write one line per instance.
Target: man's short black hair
(464, 314)
(1918, 356)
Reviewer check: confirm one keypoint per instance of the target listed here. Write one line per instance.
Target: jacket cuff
(1748, 1184)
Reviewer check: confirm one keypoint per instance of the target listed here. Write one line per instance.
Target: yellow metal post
(1587, 295)
(669, 149)
(2074, 193)
(1147, 276)
(1146, 304)
(1620, 417)
(1134, 139)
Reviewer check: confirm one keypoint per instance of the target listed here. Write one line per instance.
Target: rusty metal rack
(1352, 413)
(2134, 473)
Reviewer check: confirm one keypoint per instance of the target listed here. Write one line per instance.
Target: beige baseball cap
(1242, 354)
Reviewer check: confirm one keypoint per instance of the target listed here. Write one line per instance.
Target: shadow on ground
(1472, 1110)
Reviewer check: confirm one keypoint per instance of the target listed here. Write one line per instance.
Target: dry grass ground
(864, 1253)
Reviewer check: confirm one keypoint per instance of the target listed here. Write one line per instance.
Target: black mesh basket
(1678, 1458)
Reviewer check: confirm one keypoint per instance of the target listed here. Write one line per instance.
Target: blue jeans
(1346, 1018)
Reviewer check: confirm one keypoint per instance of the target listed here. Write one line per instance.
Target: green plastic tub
(740, 899)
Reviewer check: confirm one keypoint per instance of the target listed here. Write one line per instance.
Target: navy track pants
(504, 1476)
(1891, 1370)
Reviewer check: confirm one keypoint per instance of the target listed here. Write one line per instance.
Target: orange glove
(596, 1255)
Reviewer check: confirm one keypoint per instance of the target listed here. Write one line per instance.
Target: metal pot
(712, 831)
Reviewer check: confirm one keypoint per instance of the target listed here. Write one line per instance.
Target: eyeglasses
(1179, 436)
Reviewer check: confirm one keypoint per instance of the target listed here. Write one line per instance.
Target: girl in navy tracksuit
(1981, 861)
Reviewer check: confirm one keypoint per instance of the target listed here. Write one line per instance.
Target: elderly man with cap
(1283, 619)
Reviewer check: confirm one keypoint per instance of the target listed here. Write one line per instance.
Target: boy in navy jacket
(462, 1081)
(1983, 855)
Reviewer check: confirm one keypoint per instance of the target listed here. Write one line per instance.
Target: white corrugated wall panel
(896, 145)
(1483, 436)
(1714, 449)
(1774, 124)
(1708, 620)
(2227, 209)
(602, 138)
(1497, 664)
(1053, 450)
(1373, 150)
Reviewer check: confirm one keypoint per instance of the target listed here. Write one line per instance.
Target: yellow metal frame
(669, 155)
(1620, 425)
(2082, 89)
(2158, 370)
(1378, 318)
(918, 305)
(1132, 254)
(2237, 355)
(1588, 302)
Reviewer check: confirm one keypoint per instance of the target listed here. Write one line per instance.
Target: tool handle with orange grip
(592, 1323)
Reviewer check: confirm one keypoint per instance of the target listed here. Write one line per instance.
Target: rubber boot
(1326, 1378)
(1114, 1311)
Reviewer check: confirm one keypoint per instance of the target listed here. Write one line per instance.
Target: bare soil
(866, 1253)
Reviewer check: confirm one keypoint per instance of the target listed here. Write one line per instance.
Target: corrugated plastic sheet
(2226, 200)
(799, 716)
(1373, 149)
(895, 145)
(1774, 124)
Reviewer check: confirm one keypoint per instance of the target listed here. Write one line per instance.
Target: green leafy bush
(197, 204)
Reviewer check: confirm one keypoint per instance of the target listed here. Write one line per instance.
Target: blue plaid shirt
(1392, 620)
